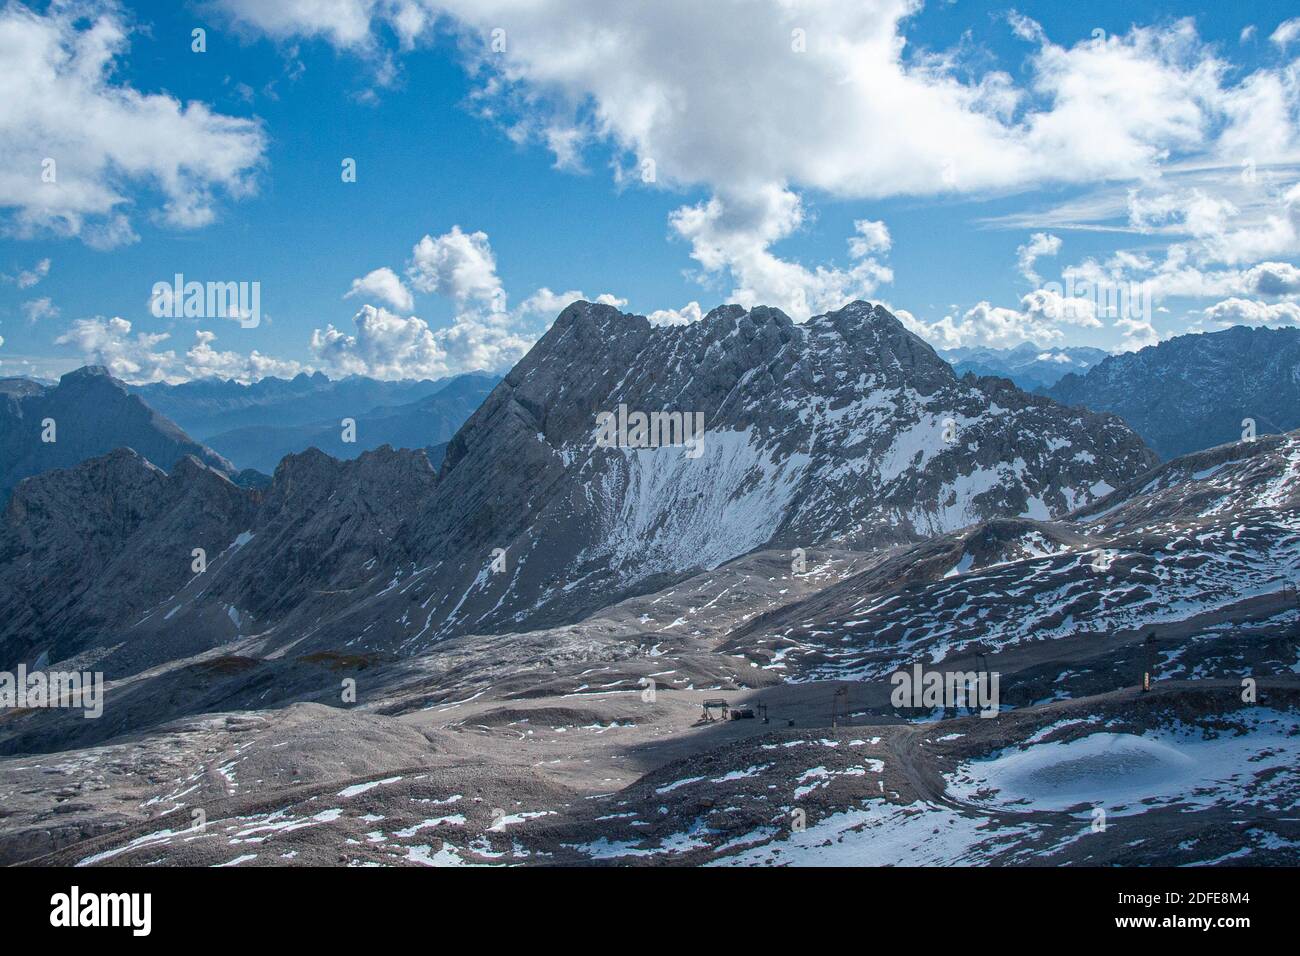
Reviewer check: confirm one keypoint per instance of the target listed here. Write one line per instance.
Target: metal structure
(711, 704)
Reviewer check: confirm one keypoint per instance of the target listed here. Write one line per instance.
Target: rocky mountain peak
(89, 373)
(88, 414)
(846, 427)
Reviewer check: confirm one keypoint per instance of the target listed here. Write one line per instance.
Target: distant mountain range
(424, 423)
(94, 413)
(1194, 391)
(88, 413)
(1028, 365)
(205, 407)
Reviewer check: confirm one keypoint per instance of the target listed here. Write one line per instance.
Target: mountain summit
(846, 427)
(88, 413)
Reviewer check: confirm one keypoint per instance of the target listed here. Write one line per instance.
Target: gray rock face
(93, 413)
(847, 428)
(1193, 391)
(83, 550)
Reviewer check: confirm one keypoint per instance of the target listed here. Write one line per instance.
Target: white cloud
(460, 266)
(1042, 307)
(136, 358)
(872, 236)
(388, 346)
(686, 315)
(203, 361)
(484, 333)
(1138, 334)
(1236, 311)
(385, 285)
(732, 106)
(1038, 320)
(739, 107)
(990, 325)
(36, 309)
(1272, 278)
(30, 277)
(106, 140)
(1286, 33)
(733, 236)
(1218, 230)
(129, 357)
(1039, 244)
(345, 23)
(548, 304)
(384, 346)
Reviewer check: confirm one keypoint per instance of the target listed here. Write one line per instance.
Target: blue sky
(942, 138)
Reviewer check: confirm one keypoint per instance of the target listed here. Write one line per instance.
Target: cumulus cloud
(687, 314)
(136, 357)
(109, 342)
(385, 285)
(829, 97)
(733, 236)
(994, 326)
(872, 236)
(548, 304)
(459, 266)
(806, 95)
(1039, 320)
(1236, 311)
(1138, 334)
(484, 332)
(346, 24)
(388, 346)
(1272, 278)
(77, 148)
(1046, 306)
(385, 346)
(203, 361)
